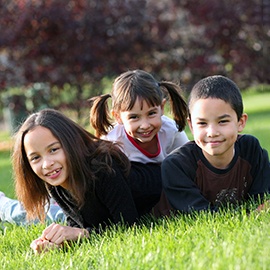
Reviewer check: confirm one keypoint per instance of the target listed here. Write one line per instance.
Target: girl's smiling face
(142, 122)
(215, 127)
(46, 156)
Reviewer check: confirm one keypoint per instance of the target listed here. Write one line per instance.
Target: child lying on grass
(220, 166)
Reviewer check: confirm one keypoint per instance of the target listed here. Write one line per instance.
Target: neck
(220, 161)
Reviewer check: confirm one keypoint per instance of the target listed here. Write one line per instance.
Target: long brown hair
(126, 89)
(86, 155)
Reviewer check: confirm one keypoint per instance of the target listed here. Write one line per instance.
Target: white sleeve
(179, 139)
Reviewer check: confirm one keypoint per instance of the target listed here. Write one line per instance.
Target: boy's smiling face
(215, 127)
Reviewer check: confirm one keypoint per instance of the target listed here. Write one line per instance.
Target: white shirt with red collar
(169, 138)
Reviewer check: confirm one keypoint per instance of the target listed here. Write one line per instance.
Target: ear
(163, 105)
(242, 122)
(190, 124)
(117, 117)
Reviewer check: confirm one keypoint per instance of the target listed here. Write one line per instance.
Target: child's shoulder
(244, 139)
(117, 132)
(165, 118)
(168, 123)
(188, 150)
(185, 156)
(248, 145)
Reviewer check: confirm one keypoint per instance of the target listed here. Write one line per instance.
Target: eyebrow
(219, 117)
(224, 116)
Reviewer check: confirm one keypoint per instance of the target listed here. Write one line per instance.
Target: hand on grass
(40, 245)
(264, 206)
(55, 235)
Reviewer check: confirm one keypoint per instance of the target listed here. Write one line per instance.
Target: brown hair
(126, 89)
(86, 155)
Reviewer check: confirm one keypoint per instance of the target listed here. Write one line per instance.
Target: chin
(146, 140)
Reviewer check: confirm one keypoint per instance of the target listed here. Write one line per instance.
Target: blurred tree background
(59, 53)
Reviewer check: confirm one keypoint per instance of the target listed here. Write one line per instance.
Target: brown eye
(34, 158)
(223, 121)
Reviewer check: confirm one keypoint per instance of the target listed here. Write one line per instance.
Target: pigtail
(177, 103)
(100, 119)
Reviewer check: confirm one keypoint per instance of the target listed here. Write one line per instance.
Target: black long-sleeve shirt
(115, 198)
(111, 202)
(191, 183)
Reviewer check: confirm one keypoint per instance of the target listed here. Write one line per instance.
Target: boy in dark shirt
(219, 166)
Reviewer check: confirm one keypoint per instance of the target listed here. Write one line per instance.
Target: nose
(47, 163)
(212, 131)
(144, 124)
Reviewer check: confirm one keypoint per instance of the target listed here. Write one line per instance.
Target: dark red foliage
(79, 42)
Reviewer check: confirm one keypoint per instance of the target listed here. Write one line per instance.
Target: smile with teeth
(145, 133)
(53, 172)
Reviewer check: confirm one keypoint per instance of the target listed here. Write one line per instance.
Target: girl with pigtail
(146, 135)
(138, 101)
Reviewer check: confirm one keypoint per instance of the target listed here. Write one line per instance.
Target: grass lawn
(227, 240)
(6, 183)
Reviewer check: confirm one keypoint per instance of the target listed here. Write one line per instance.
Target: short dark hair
(219, 87)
